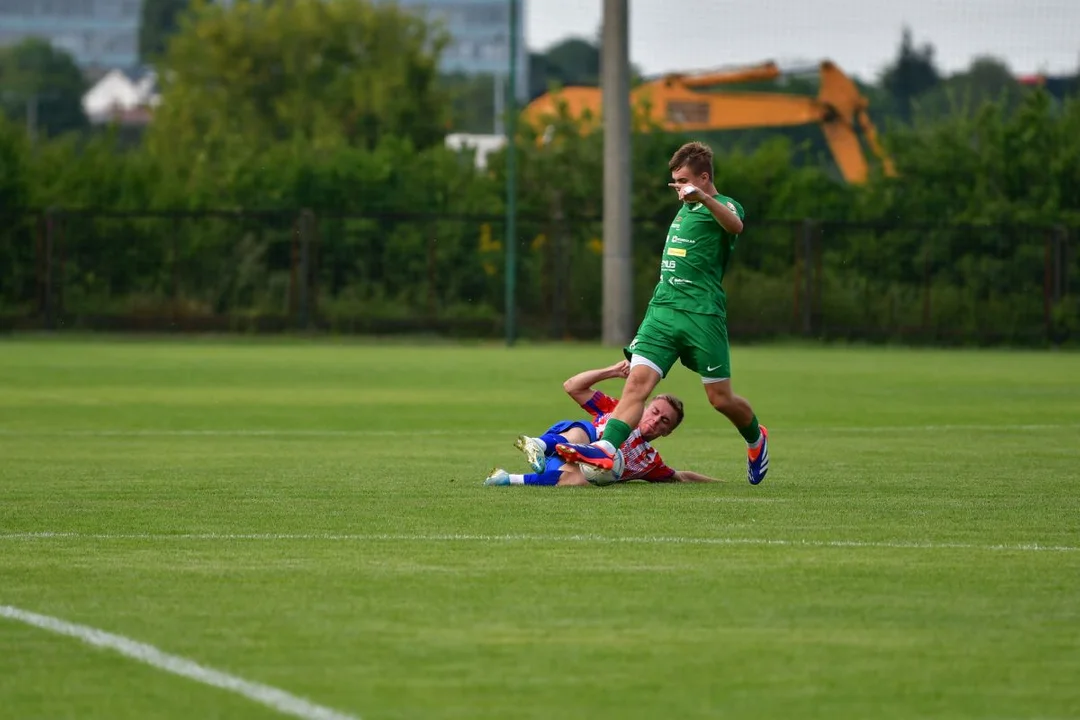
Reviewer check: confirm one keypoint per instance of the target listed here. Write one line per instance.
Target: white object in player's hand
(688, 192)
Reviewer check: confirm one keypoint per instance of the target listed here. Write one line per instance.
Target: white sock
(542, 444)
(517, 479)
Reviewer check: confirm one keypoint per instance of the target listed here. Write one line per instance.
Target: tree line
(338, 108)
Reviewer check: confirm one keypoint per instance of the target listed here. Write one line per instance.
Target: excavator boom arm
(732, 111)
(671, 103)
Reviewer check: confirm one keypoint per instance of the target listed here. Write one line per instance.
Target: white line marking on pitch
(602, 539)
(134, 433)
(270, 696)
(234, 433)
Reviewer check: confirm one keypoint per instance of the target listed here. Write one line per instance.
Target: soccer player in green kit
(687, 318)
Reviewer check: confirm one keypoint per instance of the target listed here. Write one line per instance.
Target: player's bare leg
(575, 435)
(737, 409)
(642, 380)
(734, 407)
(572, 477)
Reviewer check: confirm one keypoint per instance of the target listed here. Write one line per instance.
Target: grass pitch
(311, 516)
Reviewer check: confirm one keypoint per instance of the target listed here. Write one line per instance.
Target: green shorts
(699, 341)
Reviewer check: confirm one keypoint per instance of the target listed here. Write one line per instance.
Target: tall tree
(573, 61)
(13, 174)
(160, 21)
(473, 101)
(41, 87)
(965, 93)
(320, 72)
(911, 74)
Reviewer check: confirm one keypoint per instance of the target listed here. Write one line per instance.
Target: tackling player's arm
(689, 476)
(660, 472)
(580, 386)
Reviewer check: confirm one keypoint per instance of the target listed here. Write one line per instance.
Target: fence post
(796, 276)
(1061, 263)
(174, 271)
(1066, 258)
(808, 277)
(927, 313)
(819, 271)
(47, 304)
(1055, 277)
(557, 255)
(314, 258)
(304, 270)
(432, 277)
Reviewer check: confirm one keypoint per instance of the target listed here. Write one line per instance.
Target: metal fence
(278, 271)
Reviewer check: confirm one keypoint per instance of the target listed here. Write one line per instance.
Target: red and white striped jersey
(641, 460)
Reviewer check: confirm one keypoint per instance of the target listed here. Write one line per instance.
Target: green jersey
(696, 256)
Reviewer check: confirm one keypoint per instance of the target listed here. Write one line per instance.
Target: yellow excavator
(678, 102)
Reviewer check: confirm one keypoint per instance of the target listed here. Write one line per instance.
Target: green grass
(887, 568)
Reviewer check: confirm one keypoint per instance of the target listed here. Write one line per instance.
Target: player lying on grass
(660, 419)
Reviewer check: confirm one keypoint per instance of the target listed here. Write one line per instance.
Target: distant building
(480, 144)
(104, 34)
(99, 34)
(480, 32)
(123, 98)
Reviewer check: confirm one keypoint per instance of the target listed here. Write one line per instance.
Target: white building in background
(128, 99)
(103, 38)
(483, 145)
(99, 34)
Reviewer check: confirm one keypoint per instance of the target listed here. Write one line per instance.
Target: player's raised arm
(726, 216)
(580, 386)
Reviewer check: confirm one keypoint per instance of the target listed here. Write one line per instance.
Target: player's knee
(722, 404)
(576, 435)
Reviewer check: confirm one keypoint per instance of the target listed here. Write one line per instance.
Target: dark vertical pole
(432, 274)
(796, 276)
(808, 277)
(294, 262)
(50, 242)
(927, 284)
(304, 273)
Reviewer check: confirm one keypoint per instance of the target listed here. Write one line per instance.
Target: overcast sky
(859, 35)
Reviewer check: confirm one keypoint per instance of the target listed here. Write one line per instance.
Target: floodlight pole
(615, 82)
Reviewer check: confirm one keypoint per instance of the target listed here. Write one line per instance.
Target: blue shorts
(563, 425)
(555, 462)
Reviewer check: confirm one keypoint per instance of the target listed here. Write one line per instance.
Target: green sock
(751, 432)
(616, 432)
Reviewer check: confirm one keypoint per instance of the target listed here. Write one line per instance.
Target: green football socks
(616, 432)
(751, 432)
